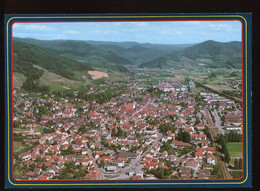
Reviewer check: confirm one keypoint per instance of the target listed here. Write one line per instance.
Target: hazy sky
(174, 32)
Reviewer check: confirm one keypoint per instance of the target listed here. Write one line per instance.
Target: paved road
(142, 108)
(218, 122)
(100, 172)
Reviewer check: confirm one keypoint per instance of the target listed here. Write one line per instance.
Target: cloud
(39, 27)
(142, 24)
(139, 24)
(219, 26)
(178, 32)
(16, 25)
(116, 23)
(71, 32)
(193, 22)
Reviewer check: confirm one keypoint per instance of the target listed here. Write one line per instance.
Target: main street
(149, 101)
(99, 170)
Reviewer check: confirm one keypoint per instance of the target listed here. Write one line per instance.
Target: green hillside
(28, 58)
(80, 50)
(209, 54)
(27, 55)
(97, 52)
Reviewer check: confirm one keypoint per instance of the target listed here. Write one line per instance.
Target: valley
(95, 110)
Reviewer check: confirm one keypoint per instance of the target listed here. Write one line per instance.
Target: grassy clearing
(17, 171)
(235, 149)
(18, 79)
(17, 146)
(56, 82)
(237, 174)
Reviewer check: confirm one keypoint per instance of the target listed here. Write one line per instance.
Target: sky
(163, 32)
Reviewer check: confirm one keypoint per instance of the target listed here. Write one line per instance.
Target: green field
(235, 149)
(237, 174)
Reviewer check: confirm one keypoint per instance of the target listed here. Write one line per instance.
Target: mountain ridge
(209, 53)
(122, 53)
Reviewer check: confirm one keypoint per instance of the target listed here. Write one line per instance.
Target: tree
(113, 132)
(16, 124)
(102, 163)
(120, 132)
(240, 163)
(183, 136)
(167, 147)
(186, 137)
(236, 164)
(82, 129)
(197, 120)
(227, 157)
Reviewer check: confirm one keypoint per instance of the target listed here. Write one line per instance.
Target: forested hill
(79, 50)
(207, 54)
(98, 52)
(26, 55)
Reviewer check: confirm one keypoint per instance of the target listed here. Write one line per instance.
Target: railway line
(213, 134)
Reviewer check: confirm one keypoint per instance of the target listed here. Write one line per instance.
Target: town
(168, 130)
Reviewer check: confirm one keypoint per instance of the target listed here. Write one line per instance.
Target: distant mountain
(207, 54)
(98, 52)
(139, 52)
(27, 55)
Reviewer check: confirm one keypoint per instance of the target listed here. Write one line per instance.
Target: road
(218, 122)
(136, 163)
(142, 108)
(100, 172)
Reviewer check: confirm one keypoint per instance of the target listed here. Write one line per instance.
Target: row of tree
(207, 132)
(233, 136)
(222, 142)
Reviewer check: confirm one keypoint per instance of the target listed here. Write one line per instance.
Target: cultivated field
(218, 87)
(56, 82)
(96, 74)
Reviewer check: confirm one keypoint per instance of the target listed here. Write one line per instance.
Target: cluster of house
(227, 108)
(92, 146)
(233, 122)
(175, 86)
